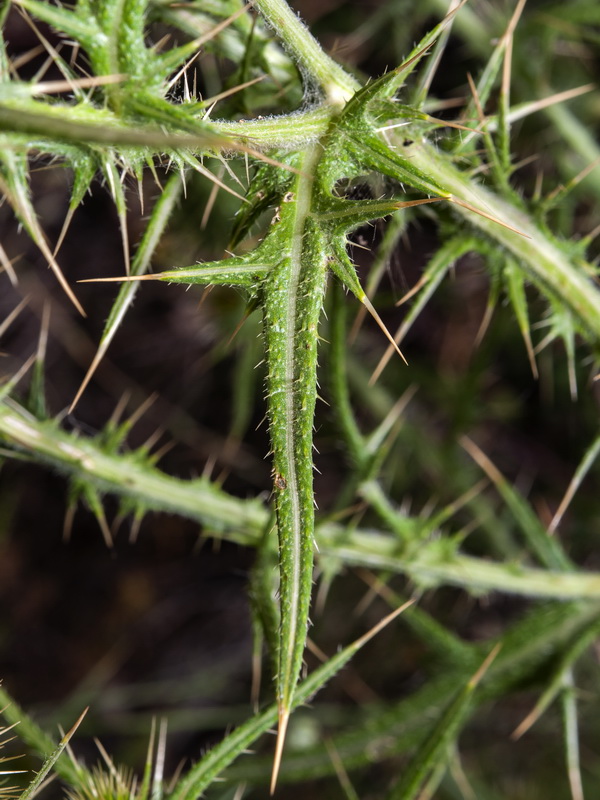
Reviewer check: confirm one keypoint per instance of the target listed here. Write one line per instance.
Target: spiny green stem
(243, 521)
(282, 132)
(129, 476)
(67, 125)
(316, 65)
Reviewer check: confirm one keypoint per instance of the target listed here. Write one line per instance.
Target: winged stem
(293, 298)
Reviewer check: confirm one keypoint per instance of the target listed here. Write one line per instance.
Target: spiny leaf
(237, 271)
(293, 297)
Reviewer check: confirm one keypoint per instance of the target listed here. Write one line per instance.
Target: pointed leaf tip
(69, 734)
(371, 309)
(284, 717)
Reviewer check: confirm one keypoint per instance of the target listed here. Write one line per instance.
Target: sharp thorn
(284, 716)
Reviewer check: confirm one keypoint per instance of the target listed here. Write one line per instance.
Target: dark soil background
(160, 626)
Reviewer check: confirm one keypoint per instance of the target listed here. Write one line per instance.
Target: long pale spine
(292, 304)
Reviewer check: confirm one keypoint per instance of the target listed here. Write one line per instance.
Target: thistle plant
(337, 153)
